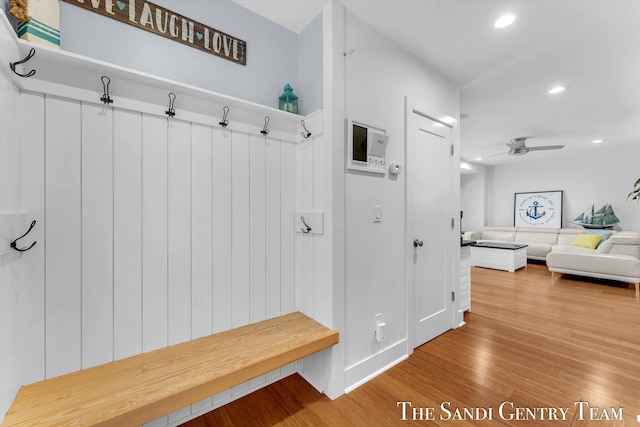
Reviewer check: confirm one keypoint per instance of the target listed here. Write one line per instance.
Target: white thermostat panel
(366, 148)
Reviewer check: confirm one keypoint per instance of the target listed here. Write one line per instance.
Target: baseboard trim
(369, 368)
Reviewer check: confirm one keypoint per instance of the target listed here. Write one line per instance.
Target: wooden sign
(158, 20)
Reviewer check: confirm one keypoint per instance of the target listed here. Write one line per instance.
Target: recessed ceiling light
(478, 158)
(597, 141)
(557, 89)
(505, 20)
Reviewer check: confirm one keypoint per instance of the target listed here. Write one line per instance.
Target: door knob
(417, 243)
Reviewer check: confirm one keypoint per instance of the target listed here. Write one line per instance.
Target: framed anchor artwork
(538, 209)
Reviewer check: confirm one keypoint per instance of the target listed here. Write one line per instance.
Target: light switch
(376, 213)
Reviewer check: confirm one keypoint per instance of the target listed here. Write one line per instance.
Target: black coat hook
(306, 133)
(171, 112)
(14, 244)
(264, 130)
(224, 121)
(29, 56)
(105, 88)
(306, 230)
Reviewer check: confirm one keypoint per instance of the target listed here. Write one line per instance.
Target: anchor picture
(533, 212)
(538, 209)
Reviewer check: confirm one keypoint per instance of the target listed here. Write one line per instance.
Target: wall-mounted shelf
(69, 75)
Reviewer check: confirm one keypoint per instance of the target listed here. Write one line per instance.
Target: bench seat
(141, 388)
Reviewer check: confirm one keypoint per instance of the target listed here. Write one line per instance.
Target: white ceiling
(593, 46)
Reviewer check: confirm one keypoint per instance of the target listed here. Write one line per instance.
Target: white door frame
(453, 265)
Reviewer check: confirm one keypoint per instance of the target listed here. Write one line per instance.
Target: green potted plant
(635, 194)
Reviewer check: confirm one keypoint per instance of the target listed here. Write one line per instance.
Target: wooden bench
(141, 388)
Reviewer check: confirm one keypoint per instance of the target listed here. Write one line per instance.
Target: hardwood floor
(527, 343)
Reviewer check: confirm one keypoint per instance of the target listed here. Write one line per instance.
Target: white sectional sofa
(616, 258)
(540, 240)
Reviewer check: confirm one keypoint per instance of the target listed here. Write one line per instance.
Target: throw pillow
(604, 233)
(587, 240)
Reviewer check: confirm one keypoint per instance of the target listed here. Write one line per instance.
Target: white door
(429, 229)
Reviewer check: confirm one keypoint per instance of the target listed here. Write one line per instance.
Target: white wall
(602, 174)
(473, 187)
(310, 67)
(11, 338)
(378, 76)
(272, 50)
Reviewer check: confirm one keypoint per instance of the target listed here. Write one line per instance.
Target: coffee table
(499, 255)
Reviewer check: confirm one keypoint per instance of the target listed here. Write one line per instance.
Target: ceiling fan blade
(546, 147)
(511, 145)
(493, 155)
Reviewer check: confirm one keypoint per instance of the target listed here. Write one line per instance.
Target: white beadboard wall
(9, 207)
(151, 231)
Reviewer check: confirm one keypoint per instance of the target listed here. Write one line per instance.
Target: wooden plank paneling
(240, 228)
(63, 237)
(257, 225)
(127, 234)
(201, 238)
(287, 172)
(16, 286)
(299, 237)
(273, 235)
(222, 233)
(287, 230)
(273, 230)
(257, 234)
(32, 321)
(97, 235)
(240, 238)
(202, 231)
(9, 147)
(222, 236)
(179, 231)
(154, 233)
(155, 287)
(158, 231)
(308, 246)
(179, 239)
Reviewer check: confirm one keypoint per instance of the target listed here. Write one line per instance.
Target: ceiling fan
(517, 147)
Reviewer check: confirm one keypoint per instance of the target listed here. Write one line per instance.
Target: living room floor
(531, 353)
